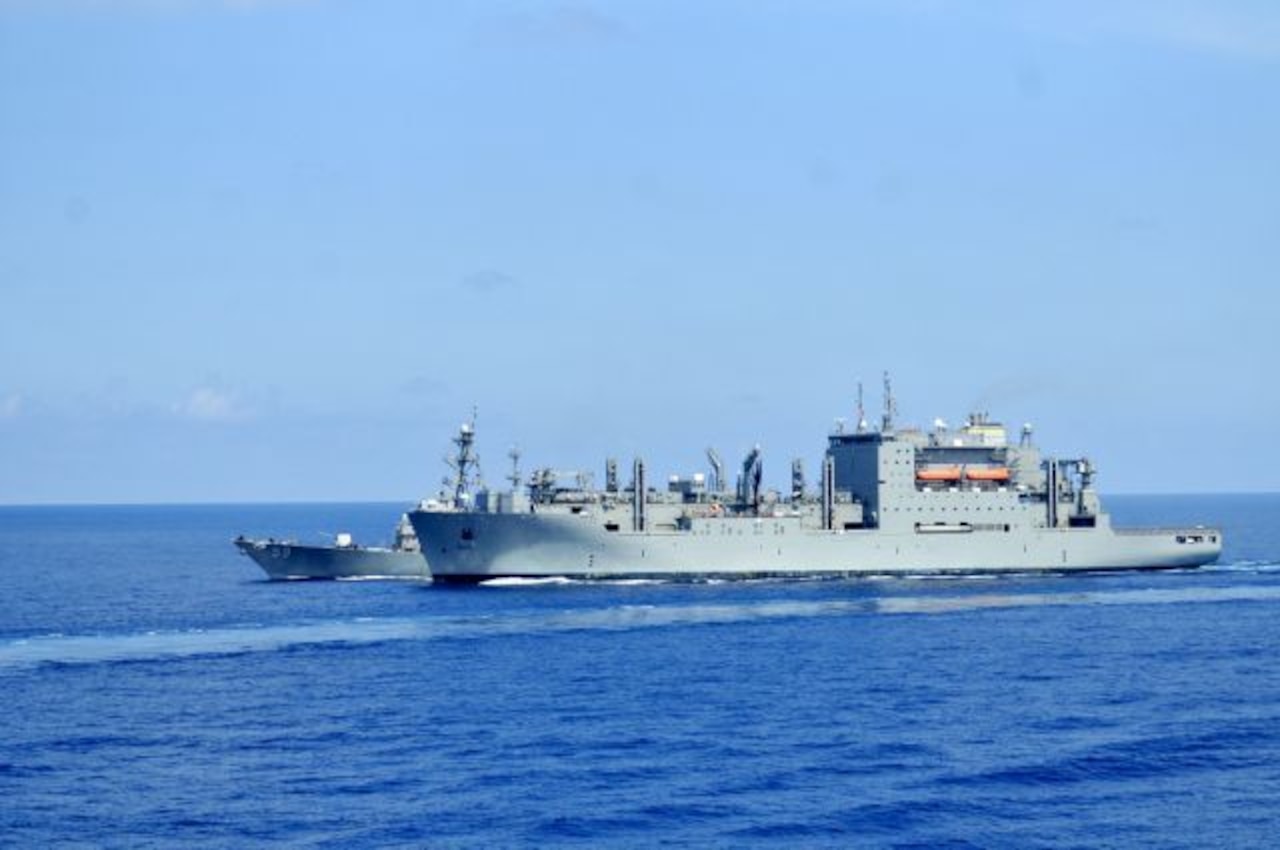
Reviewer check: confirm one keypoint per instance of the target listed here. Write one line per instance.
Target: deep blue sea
(156, 691)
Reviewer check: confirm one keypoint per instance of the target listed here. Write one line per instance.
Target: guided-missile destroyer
(289, 559)
(889, 501)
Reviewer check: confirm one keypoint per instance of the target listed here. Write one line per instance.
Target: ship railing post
(828, 492)
(638, 496)
(1051, 492)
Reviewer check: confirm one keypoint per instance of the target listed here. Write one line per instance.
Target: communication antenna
(862, 412)
(890, 406)
(514, 477)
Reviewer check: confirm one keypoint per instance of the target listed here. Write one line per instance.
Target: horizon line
(317, 502)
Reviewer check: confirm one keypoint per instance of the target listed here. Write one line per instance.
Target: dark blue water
(156, 692)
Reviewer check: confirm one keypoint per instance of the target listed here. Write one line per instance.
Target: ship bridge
(965, 479)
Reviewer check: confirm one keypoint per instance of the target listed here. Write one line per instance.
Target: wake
(197, 643)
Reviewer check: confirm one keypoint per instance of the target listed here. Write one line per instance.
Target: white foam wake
(155, 646)
(1242, 567)
(1146, 596)
(88, 649)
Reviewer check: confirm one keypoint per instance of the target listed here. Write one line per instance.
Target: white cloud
(206, 404)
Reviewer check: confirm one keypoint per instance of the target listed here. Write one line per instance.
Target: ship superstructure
(888, 501)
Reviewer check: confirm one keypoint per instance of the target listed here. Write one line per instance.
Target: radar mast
(465, 464)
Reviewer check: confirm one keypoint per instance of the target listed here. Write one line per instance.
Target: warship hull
(472, 547)
(288, 561)
(890, 502)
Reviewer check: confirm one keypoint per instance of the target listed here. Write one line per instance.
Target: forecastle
(889, 501)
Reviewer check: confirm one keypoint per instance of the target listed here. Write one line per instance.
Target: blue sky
(278, 250)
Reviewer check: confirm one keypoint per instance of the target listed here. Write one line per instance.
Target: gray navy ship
(288, 559)
(889, 501)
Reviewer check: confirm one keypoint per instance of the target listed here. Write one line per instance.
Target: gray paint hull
(294, 561)
(471, 546)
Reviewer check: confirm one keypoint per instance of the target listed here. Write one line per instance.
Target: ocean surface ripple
(159, 693)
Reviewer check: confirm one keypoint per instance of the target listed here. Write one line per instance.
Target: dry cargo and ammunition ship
(889, 501)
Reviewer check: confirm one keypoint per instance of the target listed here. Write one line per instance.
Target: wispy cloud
(11, 406)
(152, 5)
(488, 280)
(566, 22)
(424, 386)
(206, 404)
(1242, 29)
(1239, 29)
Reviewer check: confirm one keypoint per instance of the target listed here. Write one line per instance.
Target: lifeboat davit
(987, 473)
(938, 473)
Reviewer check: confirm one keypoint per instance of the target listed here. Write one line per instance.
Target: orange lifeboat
(938, 473)
(987, 473)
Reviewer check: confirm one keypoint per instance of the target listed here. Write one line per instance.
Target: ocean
(157, 691)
